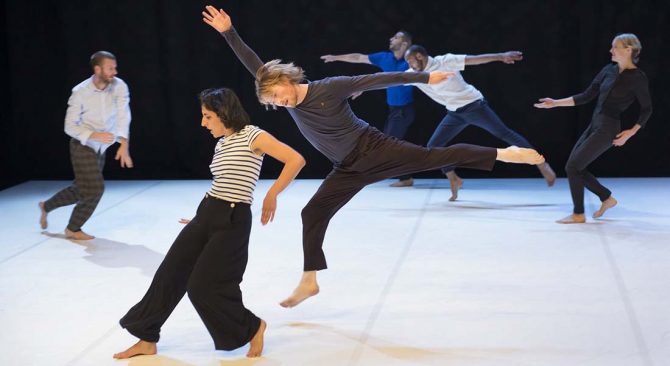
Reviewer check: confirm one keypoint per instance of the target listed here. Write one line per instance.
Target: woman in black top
(617, 86)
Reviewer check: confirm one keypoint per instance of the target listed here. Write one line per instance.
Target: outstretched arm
(219, 20)
(508, 57)
(293, 163)
(346, 86)
(547, 103)
(354, 58)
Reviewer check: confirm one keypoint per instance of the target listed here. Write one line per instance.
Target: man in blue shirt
(399, 98)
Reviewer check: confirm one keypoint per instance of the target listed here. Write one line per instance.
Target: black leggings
(594, 142)
(376, 157)
(207, 261)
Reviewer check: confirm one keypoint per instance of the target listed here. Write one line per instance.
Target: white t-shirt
(455, 92)
(235, 166)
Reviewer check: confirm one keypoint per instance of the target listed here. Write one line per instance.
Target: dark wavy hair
(225, 103)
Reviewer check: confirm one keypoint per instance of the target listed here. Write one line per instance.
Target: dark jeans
(594, 142)
(397, 123)
(376, 157)
(207, 261)
(87, 188)
(477, 113)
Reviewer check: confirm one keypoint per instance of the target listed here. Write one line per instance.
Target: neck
(398, 54)
(301, 92)
(99, 83)
(626, 65)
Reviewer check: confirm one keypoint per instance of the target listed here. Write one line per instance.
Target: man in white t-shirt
(465, 104)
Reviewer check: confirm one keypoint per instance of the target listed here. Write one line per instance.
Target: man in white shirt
(98, 115)
(465, 104)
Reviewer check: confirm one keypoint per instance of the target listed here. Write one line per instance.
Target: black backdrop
(167, 55)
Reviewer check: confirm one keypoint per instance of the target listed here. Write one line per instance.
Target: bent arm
(644, 98)
(122, 103)
(73, 114)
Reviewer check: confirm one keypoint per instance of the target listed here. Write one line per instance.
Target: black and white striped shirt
(235, 166)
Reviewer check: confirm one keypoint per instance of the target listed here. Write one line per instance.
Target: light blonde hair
(630, 40)
(274, 72)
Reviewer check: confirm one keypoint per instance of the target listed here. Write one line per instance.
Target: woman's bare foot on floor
(573, 219)
(43, 216)
(519, 155)
(306, 289)
(604, 206)
(256, 343)
(140, 348)
(455, 183)
(77, 235)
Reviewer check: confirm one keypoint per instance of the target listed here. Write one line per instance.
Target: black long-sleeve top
(617, 91)
(324, 117)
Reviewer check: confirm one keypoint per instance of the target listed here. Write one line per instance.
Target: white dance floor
(413, 279)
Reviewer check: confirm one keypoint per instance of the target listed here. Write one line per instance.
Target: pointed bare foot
(139, 348)
(455, 183)
(256, 343)
(604, 206)
(403, 183)
(306, 289)
(520, 155)
(573, 219)
(547, 173)
(43, 216)
(77, 235)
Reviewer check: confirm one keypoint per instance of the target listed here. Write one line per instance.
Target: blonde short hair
(630, 40)
(274, 72)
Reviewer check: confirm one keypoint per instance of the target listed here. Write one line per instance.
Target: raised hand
(510, 57)
(546, 103)
(439, 76)
(217, 19)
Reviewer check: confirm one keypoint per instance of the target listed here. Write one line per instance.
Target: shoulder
(119, 85)
(84, 85)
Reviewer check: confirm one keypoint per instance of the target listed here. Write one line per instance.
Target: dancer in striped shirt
(208, 258)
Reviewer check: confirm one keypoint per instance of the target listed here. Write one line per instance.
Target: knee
(309, 213)
(571, 167)
(93, 192)
(196, 288)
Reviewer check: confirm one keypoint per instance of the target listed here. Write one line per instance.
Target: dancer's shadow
(113, 254)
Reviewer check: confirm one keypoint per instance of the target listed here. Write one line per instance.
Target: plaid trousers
(87, 188)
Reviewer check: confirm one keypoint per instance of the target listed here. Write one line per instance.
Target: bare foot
(143, 348)
(256, 343)
(604, 206)
(547, 173)
(520, 155)
(43, 216)
(306, 289)
(77, 235)
(573, 219)
(403, 183)
(455, 183)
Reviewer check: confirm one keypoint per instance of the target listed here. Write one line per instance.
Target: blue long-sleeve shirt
(324, 117)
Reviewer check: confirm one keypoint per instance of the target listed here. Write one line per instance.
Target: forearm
(356, 58)
(77, 131)
(483, 59)
(289, 172)
(382, 80)
(243, 52)
(565, 102)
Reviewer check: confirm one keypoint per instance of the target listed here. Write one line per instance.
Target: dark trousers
(397, 123)
(594, 142)
(376, 157)
(207, 261)
(87, 188)
(477, 113)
